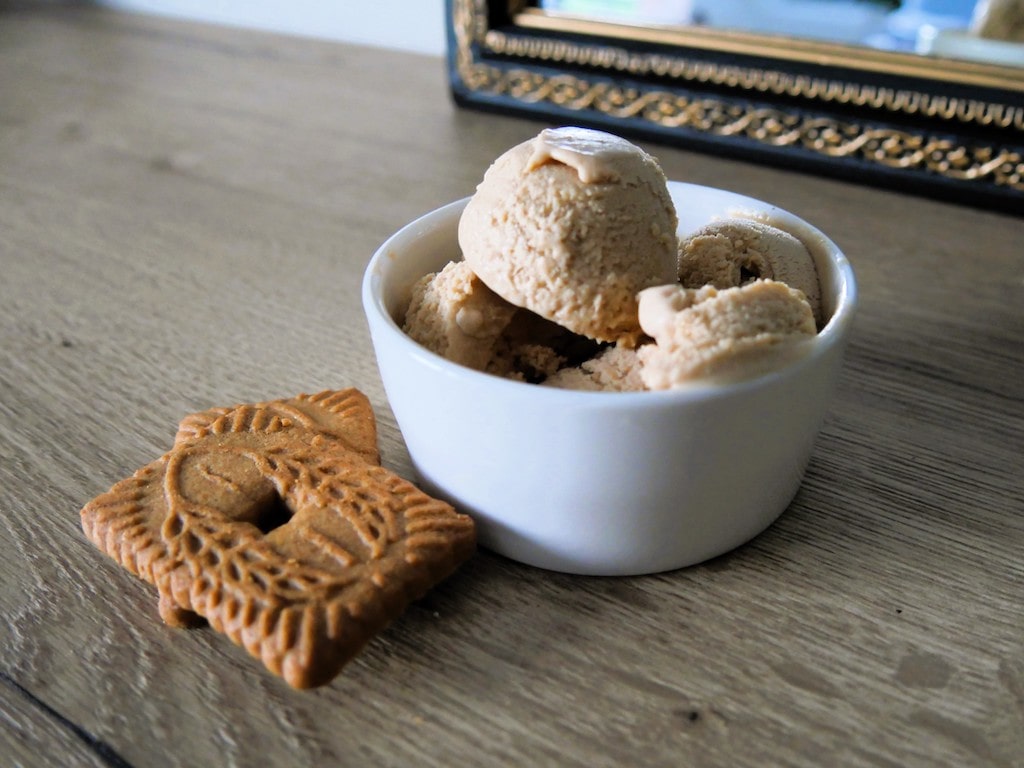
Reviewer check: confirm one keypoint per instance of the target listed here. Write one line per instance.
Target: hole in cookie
(273, 515)
(191, 543)
(175, 526)
(260, 580)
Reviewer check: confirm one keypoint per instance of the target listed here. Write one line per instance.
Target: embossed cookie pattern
(273, 523)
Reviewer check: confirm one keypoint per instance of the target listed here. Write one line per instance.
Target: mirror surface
(870, 90)
(990, 31)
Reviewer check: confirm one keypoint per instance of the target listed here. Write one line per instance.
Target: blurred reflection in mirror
(894, 25)
(626, 11)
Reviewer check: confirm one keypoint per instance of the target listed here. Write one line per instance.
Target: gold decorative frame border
(824, 136)
(779, 48)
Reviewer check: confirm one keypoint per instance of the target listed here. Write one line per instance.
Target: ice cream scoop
(728, 334)
(730, 252)
(452, 313)
(572, 225)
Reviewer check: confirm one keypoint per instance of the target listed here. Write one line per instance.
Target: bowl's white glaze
(606, 482)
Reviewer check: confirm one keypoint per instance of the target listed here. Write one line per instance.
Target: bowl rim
(833, 334)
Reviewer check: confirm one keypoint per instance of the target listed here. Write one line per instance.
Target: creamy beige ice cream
(734, 251)
(721, 334)
(614, 369)
(455, 315)
(572, 225)
(574, 277)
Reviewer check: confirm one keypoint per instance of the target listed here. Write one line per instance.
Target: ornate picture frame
(943, 128)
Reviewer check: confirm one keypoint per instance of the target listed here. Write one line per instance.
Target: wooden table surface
(185, 213)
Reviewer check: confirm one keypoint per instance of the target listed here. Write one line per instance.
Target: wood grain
(185, 212)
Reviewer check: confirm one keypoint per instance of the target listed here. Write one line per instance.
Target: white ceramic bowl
(607, 483)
